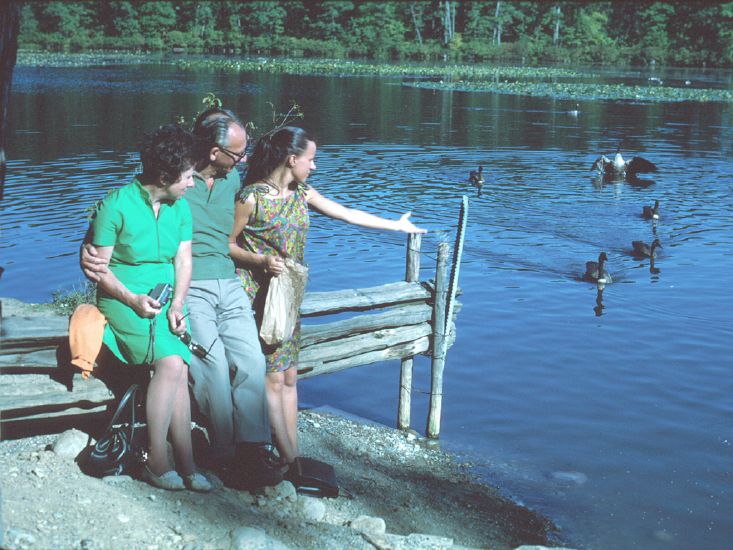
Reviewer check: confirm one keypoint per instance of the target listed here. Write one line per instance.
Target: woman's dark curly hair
(273, 149)
(166, 153)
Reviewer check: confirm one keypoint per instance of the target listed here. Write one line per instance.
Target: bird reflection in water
(598, 309)
(652, 269)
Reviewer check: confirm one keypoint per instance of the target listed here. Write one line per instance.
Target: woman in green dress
(271, 224)
(143, 231)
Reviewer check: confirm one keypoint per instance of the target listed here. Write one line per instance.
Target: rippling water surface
(609, 412)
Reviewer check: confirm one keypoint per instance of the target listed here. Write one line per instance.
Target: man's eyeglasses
(236, 157)
(197, 349)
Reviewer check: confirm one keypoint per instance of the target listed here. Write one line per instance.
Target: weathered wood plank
(39, 358)
(407, 349)
(30, 394)
(324, 303)
(362, 343)
(410, 314)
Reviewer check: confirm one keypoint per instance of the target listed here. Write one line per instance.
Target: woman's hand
(144, 306)
(404, 224)
(176, 318)
(273, 265)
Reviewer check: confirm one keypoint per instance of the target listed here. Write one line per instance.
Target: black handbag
(313, 478)
(115, 452)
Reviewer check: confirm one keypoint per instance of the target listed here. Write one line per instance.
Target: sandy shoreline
(397, 492)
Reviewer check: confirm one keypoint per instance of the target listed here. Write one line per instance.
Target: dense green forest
(616, 32)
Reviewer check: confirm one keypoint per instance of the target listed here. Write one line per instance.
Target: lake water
(617, 426)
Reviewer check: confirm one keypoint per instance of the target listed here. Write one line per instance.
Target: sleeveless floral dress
(276, 226)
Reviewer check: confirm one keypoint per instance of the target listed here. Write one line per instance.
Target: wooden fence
(41, 392)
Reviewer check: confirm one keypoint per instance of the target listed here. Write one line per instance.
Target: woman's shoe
(169, 480)
(198, 482)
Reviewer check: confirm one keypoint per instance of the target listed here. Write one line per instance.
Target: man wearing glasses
(228, 381)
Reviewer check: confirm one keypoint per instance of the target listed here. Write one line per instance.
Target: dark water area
(615, 421)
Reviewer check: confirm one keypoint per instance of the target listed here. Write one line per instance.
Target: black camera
(197, 349)
(161, 293)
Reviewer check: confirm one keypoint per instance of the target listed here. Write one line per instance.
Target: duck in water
(477, 177)
(651, 213)
(595, 272)
(643, 250)
(618, 168)
(574, 112)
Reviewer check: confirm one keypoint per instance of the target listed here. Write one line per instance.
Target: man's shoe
(251, 469)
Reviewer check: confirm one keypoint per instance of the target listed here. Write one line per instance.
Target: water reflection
(598, 309)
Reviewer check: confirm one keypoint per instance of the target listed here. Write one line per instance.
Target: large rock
(70, 443)
(250, 538)
(369, 525)
(310, 509)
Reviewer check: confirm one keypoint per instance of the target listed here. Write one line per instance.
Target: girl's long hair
(272, 150)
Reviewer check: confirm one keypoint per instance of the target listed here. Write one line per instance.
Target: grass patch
(65, 301)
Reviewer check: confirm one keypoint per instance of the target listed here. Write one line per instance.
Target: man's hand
(92, 266)
(176, 318)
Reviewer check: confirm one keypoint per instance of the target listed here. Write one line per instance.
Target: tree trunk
(556, 34)
(9, 28)
(497, 24)
(414, 22)
(446, 22)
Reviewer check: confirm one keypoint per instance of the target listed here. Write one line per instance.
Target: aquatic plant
(581, 91)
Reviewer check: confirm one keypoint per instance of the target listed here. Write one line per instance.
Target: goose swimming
(477, 177)
(574, 112)
(641, 249)
(618, 168)
(651, 213)
(595, 272)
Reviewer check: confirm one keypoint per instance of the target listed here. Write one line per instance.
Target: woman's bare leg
(180, 428)
(290, 410)
(275, 383)
(159, 403)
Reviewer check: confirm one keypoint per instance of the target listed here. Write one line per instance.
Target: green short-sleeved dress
(277, 226)
(144, 250)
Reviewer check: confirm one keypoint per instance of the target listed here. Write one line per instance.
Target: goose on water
(641, 249)
(651, 213)
(618, 168)
(574, 112)
(595, 271)
(477, 177)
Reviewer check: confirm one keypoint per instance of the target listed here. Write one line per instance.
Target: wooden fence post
(439, 335)
(412, 274)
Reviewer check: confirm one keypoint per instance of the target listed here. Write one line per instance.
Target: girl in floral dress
(271, 224)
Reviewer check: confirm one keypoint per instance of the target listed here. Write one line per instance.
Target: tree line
(675, 32)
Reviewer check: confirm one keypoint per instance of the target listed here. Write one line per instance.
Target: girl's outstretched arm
(337, 211)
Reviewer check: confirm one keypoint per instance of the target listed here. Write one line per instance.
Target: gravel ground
(397, 492)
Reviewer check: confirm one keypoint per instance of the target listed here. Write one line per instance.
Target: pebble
(369, 525)
(122, 518)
